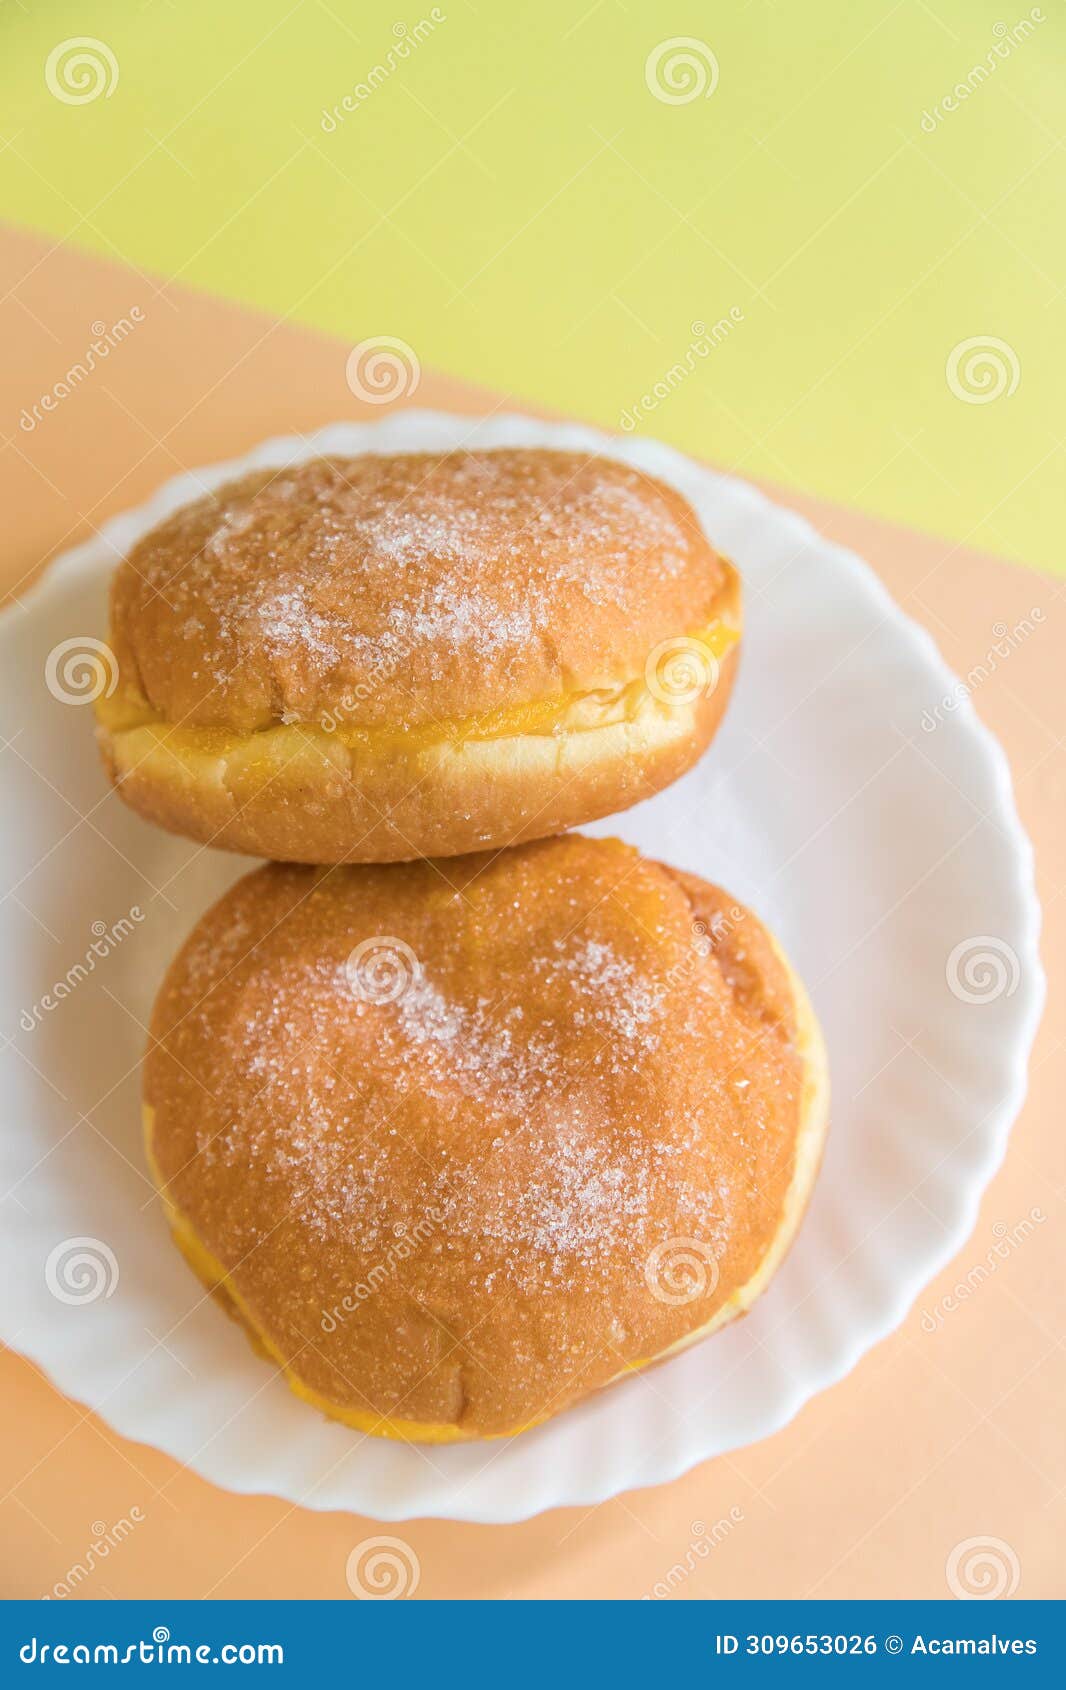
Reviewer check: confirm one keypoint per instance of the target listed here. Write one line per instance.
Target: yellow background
(514, 202)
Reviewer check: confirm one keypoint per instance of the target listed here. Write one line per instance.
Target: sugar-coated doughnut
(461, 1141)
(379, 658)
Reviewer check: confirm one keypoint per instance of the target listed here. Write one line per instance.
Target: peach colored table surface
(949, 1430)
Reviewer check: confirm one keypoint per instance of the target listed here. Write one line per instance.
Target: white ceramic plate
(888, 857)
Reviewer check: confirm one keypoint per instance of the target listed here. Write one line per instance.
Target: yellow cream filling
(127, 710)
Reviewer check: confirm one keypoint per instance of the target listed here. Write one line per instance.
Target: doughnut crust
(377, 658)
(461, 1141)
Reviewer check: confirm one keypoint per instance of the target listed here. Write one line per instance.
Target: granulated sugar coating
(380, 658)
(395, 591)
(470, 1105)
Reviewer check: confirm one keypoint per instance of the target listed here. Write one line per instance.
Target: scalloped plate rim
(988, 1149)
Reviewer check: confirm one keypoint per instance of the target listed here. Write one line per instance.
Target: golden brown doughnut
(461, 1141)
(380, 658)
